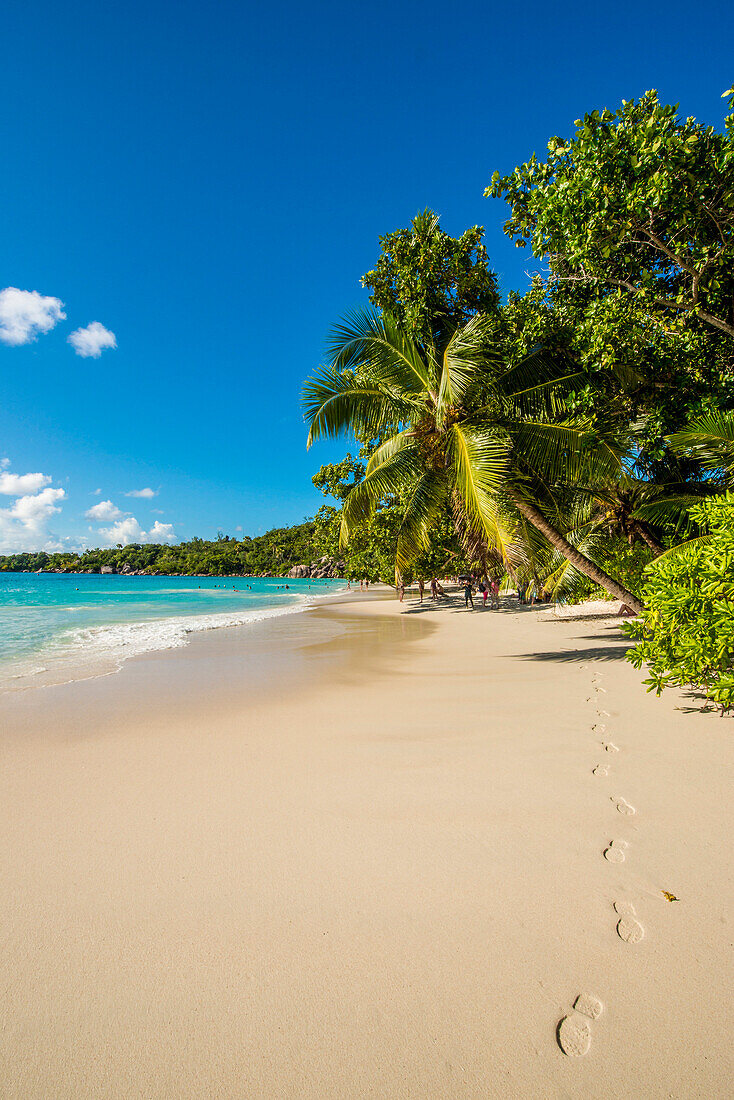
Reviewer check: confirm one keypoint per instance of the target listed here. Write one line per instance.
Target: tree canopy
(425, 278)
(638, 202)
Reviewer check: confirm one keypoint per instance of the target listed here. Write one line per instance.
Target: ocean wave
(135, 638)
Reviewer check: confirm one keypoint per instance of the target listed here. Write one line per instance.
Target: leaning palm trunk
(578, 560)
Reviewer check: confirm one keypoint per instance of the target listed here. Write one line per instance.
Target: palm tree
(458, 428)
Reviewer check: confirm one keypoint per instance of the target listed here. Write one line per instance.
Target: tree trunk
(642, 530)
(578, 560)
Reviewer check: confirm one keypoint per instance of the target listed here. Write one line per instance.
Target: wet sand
(361, 852)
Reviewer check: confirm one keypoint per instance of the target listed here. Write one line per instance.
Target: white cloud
(24, 314)
(161, 532)
(129, 530)
(146, 494)
(4, 463)
(16, 485)
(91, 341)
(96, 492)
(33, 511)
(24, 525)
(103, 511)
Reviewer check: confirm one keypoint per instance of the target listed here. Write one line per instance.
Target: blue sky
(208, 182)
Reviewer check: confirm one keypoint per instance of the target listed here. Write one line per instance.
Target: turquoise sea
(58, 627)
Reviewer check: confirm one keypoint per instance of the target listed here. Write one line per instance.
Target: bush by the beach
(686, 635)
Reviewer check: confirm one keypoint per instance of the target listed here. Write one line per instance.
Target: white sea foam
(133, 639)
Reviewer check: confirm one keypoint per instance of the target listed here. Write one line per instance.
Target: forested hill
(272, 554)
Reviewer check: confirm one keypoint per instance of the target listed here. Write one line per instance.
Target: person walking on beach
(494, 586)
(401, 591)
(434, 589)
(485, 592)
(468, 593)
(421, 586)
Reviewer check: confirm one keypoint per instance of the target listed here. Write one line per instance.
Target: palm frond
(710, 439)
(393, 476)
(548, 399)
(683, 550)
(389, 448)
(426, 503)
(569, 453)
(336, 403)
(466, 356)
(375, 346)
(668, 509)
(539, 367)
(480, 463)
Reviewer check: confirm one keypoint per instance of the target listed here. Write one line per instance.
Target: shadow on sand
(592, 653)
(455, 603)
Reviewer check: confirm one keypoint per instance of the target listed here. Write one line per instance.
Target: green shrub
(686, 635)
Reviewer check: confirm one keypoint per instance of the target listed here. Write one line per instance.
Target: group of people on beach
(488, 589)
(437, 592)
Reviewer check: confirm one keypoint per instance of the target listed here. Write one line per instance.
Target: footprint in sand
(616, 851)
(623, 806)
(574, 1032)
(610, 746)
(628, 928)
(599, 727)
(605, 713)
(601, 769)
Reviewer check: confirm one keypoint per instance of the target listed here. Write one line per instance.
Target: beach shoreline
(360, 851)
(57, 634)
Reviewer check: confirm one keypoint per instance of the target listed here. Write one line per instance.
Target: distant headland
(282, 552)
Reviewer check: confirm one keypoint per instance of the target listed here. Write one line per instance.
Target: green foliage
(634, 217)
(636, 371)
(686, 635)
(272, 554)
(425, 278)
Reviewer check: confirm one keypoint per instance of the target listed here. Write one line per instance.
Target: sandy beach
(361, 852)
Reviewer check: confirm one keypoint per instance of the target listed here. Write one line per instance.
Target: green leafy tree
(639, 372)
(425, 278)
(638, 202)
(634, 216)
